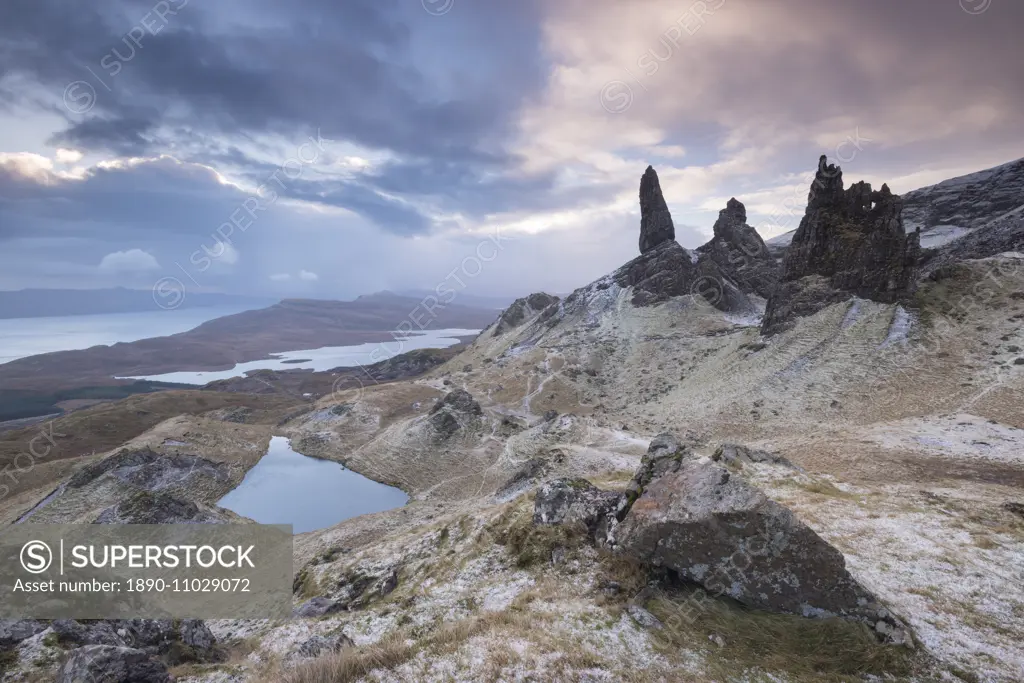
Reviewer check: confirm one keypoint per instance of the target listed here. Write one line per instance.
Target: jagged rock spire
(850, 242)
(655, 220)
(740, 252)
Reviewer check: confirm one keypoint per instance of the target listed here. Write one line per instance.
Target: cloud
(307, 276)
(381, 144)
(68, 156)
(131, 261)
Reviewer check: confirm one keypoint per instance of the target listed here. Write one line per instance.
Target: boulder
(656, 224)
(850, 242)
(737, 456)
(111, 664)
(575, 501)
(13, 631)
(714, 529)
(324, 645)
(319, 607)
(69, 631)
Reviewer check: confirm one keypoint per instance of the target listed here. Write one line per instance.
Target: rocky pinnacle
(655, 220)
(851, 242)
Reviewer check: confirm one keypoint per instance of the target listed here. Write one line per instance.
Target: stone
(738, 456)
(644, 618)
(714, 529)
(389, 583)
(740, 253)
(1014, 508)
(550, 415)
(656, 224)
(318, 607)
(13, 631)
(111, 664)
(575, 501)
(69, 631)
(324, 645)
(850, 242)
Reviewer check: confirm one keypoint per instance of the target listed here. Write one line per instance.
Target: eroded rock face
(656, 224)
(740, 253)
(523, 309)
(850, 242)
(111, 664)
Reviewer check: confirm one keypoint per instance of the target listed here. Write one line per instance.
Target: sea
(22, 337)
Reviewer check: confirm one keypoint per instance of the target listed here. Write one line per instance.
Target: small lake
(326, 358)
(286, 487)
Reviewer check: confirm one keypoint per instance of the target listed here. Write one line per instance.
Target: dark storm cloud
(352, 70)
(163, 198)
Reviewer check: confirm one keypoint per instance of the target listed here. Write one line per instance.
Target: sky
(317, 148)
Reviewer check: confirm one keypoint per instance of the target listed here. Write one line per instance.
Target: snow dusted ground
(958, 436)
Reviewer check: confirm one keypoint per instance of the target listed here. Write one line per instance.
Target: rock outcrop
(112, 664)
(850, 242)
(736, 455)
(656, 224)
(522, 310)
(575, 501)
(712, 528)
(740, 253)
(453, 412)
(145, 507)
(13, 631)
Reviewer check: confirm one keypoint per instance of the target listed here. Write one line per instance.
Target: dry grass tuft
(529, 543)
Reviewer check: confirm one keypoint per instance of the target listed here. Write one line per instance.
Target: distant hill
(45, 303)
(219, 344)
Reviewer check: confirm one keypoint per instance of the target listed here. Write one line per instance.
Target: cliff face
(850, 242)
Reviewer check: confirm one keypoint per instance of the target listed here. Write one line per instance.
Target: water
(286, 487)
(326, 358)
(23, 337)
